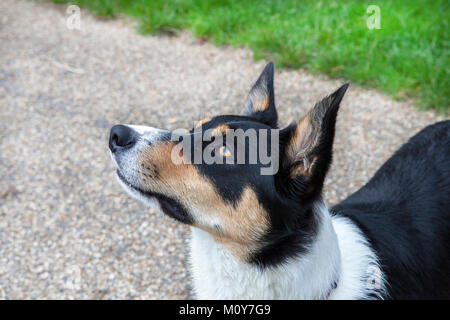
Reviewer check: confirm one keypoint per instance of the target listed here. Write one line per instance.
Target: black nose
(121, 137)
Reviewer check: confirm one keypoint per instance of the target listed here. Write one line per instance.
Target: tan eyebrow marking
(202, 122)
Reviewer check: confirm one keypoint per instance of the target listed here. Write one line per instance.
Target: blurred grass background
(407, 58)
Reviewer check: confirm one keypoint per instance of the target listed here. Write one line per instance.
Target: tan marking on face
(220, 130)
(240, 225)
(202, 122)
(244, 225)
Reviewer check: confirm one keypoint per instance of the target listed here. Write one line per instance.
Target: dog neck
(314, 274)
(339, 264)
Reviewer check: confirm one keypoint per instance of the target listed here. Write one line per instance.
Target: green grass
(407, 58)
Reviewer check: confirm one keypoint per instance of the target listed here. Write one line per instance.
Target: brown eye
(223, 151)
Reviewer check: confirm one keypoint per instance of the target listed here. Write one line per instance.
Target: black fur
(404, 210)
(288, 201)
(292, 222)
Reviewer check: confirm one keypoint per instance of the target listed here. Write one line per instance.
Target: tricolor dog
(260, 235)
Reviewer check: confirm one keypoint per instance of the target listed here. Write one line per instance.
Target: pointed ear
(307, 147)
(261, 99)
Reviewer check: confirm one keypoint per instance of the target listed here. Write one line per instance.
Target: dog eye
(223, 151)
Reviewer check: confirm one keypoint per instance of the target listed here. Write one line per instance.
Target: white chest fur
(340, 251)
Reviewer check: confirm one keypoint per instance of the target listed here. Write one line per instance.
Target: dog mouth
(130, 185)
(169, 206)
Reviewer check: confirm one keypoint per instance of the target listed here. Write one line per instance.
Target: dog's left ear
(261, 99)
(307, 148)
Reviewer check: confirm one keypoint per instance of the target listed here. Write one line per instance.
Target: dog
(271, 236)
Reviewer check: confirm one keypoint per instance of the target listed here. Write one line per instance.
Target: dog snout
(121, 137)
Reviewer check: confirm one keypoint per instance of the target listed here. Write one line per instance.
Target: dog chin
(150, 201)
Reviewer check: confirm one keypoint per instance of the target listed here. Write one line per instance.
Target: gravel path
(66, 228)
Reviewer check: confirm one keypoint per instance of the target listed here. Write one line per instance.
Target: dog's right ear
(307, 148)
(261, 99)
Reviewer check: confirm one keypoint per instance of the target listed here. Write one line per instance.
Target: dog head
(206, 179)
